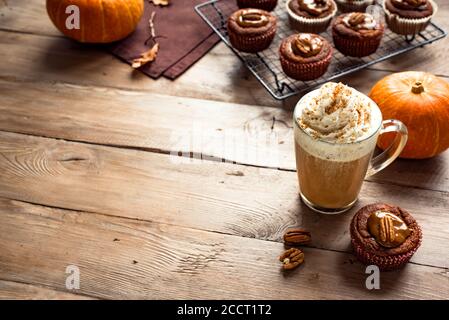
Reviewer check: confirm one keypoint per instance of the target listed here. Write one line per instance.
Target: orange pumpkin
(101, 21)
(421, 101)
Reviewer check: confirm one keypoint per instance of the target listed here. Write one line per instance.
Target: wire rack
(266, 67)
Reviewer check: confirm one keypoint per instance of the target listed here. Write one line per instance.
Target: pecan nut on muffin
(384, 235)
(251, 30)
(312, 16)
(353, 5)
(357, 34)
(267, 5)
(409, 17)
(305, 56)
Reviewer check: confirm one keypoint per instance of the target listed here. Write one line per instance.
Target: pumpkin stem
(418, 87)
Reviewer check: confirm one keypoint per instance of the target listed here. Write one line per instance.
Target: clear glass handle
(382, 160)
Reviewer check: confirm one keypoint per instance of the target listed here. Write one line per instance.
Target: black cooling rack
(266, 67)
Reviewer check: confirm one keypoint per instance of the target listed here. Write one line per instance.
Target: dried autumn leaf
(146, 57)
(160, 2)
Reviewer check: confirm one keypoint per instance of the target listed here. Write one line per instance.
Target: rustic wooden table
(87, 179)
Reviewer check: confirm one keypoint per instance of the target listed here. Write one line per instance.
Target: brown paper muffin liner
(305, 71)
(252, 44)
(385, 263)
(356, 47)
(407, 26)
(346, 6)
(309, 25)
(267, 5)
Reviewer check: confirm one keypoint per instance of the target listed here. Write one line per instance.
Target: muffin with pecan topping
(409, 17)
(384, 235)
(305, 56)
(312, 16)
(251, 30)
(357, 34)
(267, 5)
(353, 5)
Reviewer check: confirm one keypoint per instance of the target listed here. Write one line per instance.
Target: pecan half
(315, 7)
(307, 45)
(388, 229)
(297, 236)
(291, 258)
(415, 3)
(252, 18)
(356, 18)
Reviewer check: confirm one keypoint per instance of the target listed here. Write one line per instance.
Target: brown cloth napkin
(183, 39)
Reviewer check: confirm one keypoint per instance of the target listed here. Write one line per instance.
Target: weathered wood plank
(26, 16)
(20, 291)
(55, 59)
(140, 185)
(238, 133)
(232, 199)
(86, 67)
(30, 16)
(126, 259)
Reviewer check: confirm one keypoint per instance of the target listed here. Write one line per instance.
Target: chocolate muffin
(353, 5)
(384, 235)
(251, 30)
(357, 34)
(313, 16)
(305, 56)
(409, 17)
(267, 5)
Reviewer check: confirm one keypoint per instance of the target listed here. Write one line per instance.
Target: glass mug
(331, 174)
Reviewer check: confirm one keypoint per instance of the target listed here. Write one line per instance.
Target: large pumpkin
(101, 21)
(421, 101)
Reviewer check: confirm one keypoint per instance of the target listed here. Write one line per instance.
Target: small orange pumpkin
(421, 101)
(101, 21)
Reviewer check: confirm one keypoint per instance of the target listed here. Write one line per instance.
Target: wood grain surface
(50, 57)
(90, 175)
(21, 291)
(125, 259)
(259, 136)
(226, 198)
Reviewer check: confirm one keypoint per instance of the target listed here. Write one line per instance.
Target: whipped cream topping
(339, 114)
(358, 21)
